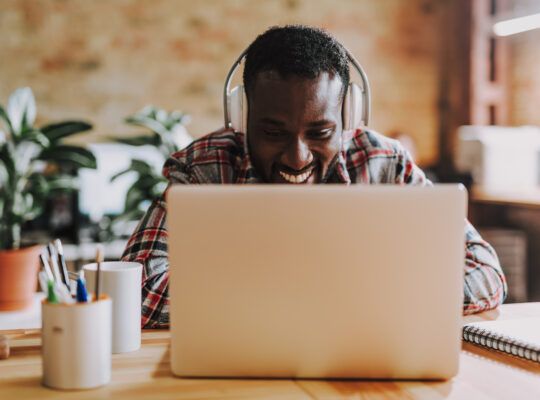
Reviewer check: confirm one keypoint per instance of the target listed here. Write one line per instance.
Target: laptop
(322, 281)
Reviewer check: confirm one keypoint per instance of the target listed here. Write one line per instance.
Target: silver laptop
(320, 281)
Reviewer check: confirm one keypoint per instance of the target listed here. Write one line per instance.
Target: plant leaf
(63, 182)
(74, 156)
(141, 140)
(7, 157)
(25, 154)
(38, 186)
(32, 135)
(133, 197)
(5, 117)
(59, 130)
(149, 123)
(21, 109)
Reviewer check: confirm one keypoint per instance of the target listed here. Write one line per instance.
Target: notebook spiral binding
(486, 338)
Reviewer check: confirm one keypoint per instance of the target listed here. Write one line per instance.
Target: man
(295, 79)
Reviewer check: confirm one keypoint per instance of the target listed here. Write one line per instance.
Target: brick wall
(103, 60)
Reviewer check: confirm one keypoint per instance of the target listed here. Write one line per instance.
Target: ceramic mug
(121, 280)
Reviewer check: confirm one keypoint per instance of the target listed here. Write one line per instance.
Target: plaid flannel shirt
(222, 157)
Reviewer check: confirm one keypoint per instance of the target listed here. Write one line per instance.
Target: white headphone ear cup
(346, 110)
(353, 113)
(237, 108)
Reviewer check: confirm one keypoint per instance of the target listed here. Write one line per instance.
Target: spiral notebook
(519, 337)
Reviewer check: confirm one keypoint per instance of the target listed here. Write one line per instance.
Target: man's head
(295, 79)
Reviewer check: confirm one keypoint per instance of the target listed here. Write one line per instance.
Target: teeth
(295, 178)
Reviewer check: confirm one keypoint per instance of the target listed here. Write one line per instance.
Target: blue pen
(82, 295)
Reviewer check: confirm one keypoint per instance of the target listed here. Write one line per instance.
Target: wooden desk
(483, 374)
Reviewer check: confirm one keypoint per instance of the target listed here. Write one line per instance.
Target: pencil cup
(121, 280)
(76, 344)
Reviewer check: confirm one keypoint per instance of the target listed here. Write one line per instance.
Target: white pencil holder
(76, 344)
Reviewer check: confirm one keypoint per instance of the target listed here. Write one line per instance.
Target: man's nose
(297, 155)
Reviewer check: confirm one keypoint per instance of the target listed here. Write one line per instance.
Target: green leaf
(37, 185)
(5, 117)
(119, 174)
(74, 156)
(145, 184)
(133, 197)
(142, 140)
(63, 182)
(141, 167)
(36, 136)
(6, 156)
(149, 123)
(21, 109)
(61, 130)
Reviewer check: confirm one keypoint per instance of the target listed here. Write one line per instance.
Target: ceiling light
(517, 25)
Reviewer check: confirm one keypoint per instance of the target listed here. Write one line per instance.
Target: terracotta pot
(18, 277)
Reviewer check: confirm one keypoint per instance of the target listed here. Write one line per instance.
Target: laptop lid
(321, 281)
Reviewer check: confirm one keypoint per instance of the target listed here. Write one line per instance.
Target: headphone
(356, 104)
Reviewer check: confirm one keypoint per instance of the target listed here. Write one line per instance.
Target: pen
(62, 262)
(43, 278)
(46, 265)
(52, 258)
(82, 295)
(99, 259)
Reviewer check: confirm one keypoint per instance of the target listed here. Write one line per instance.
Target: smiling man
(295, 78)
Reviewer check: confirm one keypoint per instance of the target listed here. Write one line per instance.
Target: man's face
(294, 126)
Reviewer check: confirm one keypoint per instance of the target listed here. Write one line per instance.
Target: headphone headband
(366, 103)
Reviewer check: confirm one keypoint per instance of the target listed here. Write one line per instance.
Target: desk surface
(483, 374)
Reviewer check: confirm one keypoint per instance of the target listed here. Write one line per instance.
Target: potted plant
(168, 135)
(31, 165)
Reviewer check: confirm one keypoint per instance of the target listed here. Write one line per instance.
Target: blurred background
(463, 99)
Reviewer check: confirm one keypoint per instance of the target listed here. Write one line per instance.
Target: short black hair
(296, 50)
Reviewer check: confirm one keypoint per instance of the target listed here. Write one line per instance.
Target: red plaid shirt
(222, 157)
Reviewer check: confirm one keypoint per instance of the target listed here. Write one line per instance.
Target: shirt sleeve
(484, 282)
(485, 285)
(148, 246)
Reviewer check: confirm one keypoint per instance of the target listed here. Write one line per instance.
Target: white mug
(76, 344)
(121, 280)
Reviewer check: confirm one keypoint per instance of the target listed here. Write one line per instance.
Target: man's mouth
(301, 178)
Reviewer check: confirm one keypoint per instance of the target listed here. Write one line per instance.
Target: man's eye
(272, 133)
(322, 134)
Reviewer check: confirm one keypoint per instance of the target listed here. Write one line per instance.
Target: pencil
(99, 259)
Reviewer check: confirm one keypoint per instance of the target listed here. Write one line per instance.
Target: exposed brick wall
(103, 60)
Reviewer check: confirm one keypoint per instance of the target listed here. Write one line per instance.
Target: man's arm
(484, 282)
(148, 246)
(485, 285)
